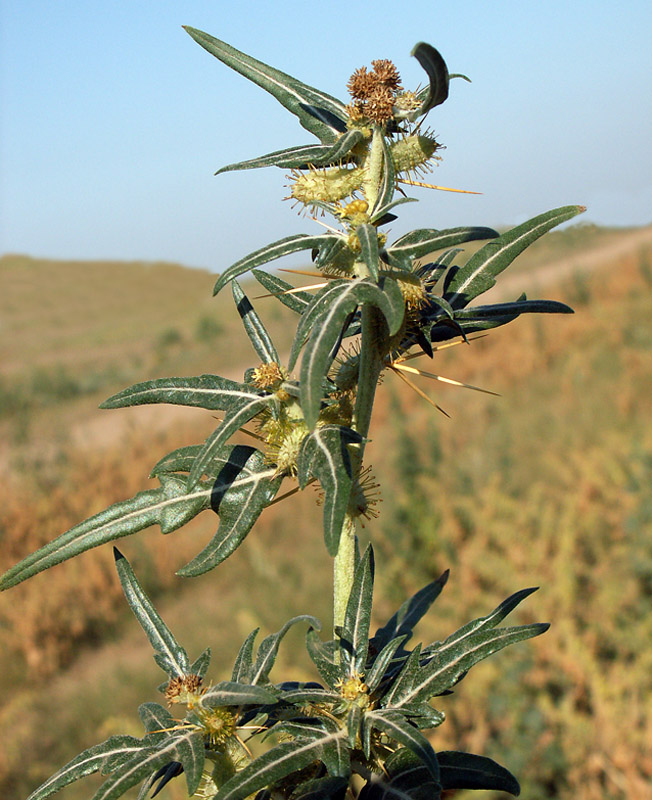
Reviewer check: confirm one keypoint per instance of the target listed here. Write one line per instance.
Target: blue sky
(114, 120)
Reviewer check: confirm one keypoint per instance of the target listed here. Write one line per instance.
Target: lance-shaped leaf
(230, 693)
(318, 112)
(438, 78)
(200, 665)
(284, 291)
(382, 210)
(397, 727)
(443, 669)
(268, 650)
(381, 662)
(185, 746)
(316, 155)
(242, 490)
(232, 455)
(256, 331)
(405, 777)
(171, 506)
(513, 309)
(310, 695)
(357, 617)
(326, 318)
(244, 662)
(405, 680)
(211, 392)
(403, 621)
(324, 454)
(430, 273)
(169, 654)
(238, 415)
(282, 760)
(468, 771)
(325, 656)
(321, 789)
(335, 753)
(423, 241)
(270, 252)
(88, 763)
(480, 271)
(368, 238)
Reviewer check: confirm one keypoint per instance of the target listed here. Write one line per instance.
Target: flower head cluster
(374, 93)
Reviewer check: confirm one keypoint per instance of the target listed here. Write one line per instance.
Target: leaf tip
(117, 555)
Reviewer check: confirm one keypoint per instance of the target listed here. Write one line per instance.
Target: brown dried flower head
(387, 74)
(183, 690)
(361, 84)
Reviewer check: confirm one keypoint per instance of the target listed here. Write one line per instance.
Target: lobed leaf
(318, 112)
(480, 271)
(170, 656)
(171, 506)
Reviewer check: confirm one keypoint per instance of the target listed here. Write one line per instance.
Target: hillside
(548, 485)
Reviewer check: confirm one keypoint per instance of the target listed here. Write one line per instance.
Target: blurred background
(112, 227)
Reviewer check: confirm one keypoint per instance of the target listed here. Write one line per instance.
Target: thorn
(419, 391)
(432, 186)
(292, 291)
(452, 382)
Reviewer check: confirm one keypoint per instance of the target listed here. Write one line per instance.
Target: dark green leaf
(423, 241)
(203, 391)
(244, 662)
(318, 112)
(270, 252)
(242, 490)
(405, 680)
(172, 658)
(368, 238)
(388, 183)
(325, 657)
(480, 271)
(170, 506)
(260, 339)
(232, 422)
(381, 662)
(297, 301)
(357, 617)
(324, 454)
(315, 155)
(230, 693)
(409, 614)
(87, 763)
(321, 789)
(200, 666)
(469, 771)
(268, 650)
(435, 66)
(397, 727)
(405, 778)
(383, 210)
(513, 309)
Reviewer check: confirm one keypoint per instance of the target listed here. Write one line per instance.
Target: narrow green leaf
(231, 693)
(324, 454)
(238, 415)
(275, 764)
(515, 308)
(469, 771)
(327, 317)
(244, 662)
(170, 506)
(368, 238)
(297, 301)
(211, 392)
(480, 271)
(353, 724)
(185, 745)
(357, 617)
(382, 661)
(421, 242)
(321, 789)
(268, 650)
(172, 658)
(402, 684)
(270, 252)
(397, 727)
(310, 695)
(256, 331)
(388, 183)
(410, 613)
(325, 657)
(240, 494)
(445, 668)
(201, 664)
(87, 763)
(438, 78)
(318, 112)
(405, 778)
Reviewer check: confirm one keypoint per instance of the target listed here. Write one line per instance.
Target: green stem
(371, 184)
